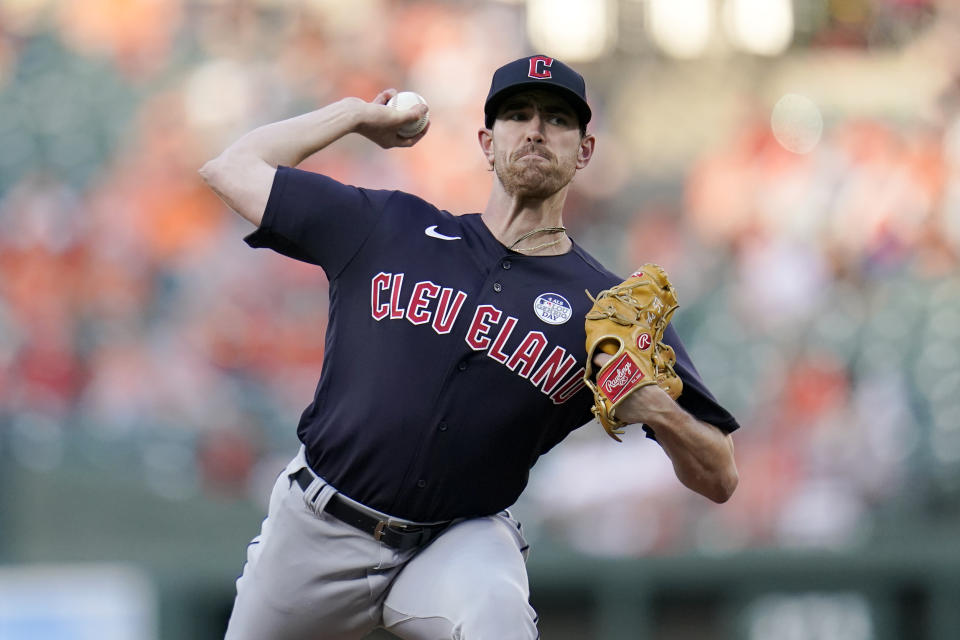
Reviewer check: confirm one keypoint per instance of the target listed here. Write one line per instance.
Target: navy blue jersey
(451, 362)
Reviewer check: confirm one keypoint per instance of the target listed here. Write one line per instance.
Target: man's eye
(560, 121)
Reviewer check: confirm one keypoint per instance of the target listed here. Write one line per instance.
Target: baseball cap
(537, 71)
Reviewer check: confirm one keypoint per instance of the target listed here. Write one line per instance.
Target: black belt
(397, 535)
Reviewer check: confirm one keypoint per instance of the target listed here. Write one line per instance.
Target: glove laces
(622, 293)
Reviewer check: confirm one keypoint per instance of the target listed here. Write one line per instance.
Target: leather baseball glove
(627, 321)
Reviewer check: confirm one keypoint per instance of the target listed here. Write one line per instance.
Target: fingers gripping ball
(405, 100)
(627, 321)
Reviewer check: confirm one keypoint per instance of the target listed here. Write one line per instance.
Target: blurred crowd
(827, 316)
(820, 291)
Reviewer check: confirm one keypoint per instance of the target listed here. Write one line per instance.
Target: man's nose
(535, 129)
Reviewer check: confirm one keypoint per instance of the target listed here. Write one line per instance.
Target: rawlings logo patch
(552, 308)
(618, 379)
(643, 341)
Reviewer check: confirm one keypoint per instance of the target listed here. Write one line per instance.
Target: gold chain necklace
(536, 231)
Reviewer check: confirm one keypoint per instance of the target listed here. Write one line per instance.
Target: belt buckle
(383, 525)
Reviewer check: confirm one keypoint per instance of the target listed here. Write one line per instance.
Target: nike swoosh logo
(433, 233)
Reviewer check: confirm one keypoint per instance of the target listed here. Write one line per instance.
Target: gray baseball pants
(310, 576)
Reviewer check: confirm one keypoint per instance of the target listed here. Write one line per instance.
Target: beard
(531, 178)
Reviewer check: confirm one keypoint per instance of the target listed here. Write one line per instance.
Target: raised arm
(243, 174)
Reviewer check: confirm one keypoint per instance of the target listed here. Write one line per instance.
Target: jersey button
(506, 264)
(497, 287)
(442, 426)
(421, 483)
(463, 365)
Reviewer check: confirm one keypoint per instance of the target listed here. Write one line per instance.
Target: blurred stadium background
(794, 164)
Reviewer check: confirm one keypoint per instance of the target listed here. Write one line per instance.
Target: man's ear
(485, 136)
(587, 145)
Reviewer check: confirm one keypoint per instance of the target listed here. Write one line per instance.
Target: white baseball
(405, 100)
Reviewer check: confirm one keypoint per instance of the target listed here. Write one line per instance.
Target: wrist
(350, 112)
(649, 405)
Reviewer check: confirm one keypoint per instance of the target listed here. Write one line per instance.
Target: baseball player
(454, 359)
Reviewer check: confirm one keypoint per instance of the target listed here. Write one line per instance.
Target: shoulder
(403, 203)
(592, 270)
(309, 185)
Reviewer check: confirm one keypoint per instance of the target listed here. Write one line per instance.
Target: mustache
(531, 148)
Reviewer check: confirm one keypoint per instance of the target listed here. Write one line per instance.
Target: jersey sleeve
(313, 218)
(696, 398)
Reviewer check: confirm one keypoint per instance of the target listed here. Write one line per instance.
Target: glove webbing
(620, 292)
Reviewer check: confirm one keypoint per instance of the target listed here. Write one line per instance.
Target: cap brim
(493, 102)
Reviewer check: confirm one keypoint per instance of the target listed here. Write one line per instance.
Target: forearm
(289, 142)
(702, 455)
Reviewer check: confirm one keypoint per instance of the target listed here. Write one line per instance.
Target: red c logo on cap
(540, 67)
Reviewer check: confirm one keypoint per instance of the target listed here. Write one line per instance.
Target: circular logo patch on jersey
(552, 308)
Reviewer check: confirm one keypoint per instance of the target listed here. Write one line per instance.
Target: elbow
(724, 486)
(209, 171)
(726, 476)
(242, 185)
(716, 485)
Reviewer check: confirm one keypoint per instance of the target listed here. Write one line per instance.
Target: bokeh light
(681, 28)
(574, 30)
(796, 123)
(762, 27)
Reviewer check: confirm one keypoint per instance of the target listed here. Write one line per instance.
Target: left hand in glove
(627, 321)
